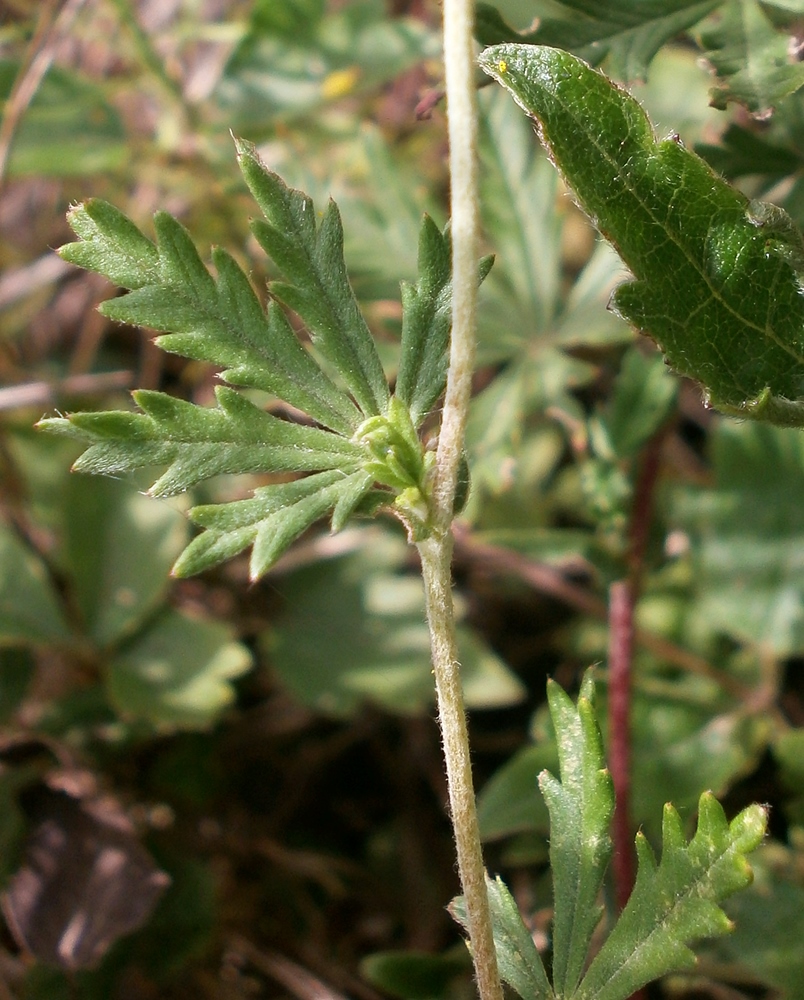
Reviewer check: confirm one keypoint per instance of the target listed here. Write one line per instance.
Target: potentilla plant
(360, 451)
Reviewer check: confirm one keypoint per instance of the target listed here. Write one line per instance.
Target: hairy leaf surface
(197, 442)
(675, 902)
(519, 962)
(581, 805)
(220, 322)
(426, 320)
(718, 281)
(310, 256)
(270, 520)
(365, 451)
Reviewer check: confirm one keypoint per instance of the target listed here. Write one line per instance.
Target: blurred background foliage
(273, 746)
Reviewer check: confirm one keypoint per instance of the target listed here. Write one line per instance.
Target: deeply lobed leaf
(425, 324)
(111, 245)
(271, 520)
(718, 280)
(223, 323)
(365, 440)
(581, 806)
(675, 902)
(197, 442)
(316, 286)
(365, 452)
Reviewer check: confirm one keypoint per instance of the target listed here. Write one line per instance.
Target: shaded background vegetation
(273, 745)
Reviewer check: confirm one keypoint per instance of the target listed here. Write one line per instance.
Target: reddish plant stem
(548, 580)
(621, 648)
(623, 596)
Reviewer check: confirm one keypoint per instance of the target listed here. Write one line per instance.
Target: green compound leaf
(581, 806)
(365, 451)
(629, 32)
(271, 520)
(751, 57)
(197, 442)
(675, 902)
(316, 287)
(221, 322)
(718, 279)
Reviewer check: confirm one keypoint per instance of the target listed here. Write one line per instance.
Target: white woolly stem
(436, 551)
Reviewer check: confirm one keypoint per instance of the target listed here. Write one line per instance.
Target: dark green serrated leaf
(675, 902)
(581, 806)
(717, 278)
(751, 57)
(197, 442)
(269, 521)
(310, 257)
(629, 32)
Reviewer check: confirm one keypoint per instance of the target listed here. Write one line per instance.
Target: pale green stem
(436, 551)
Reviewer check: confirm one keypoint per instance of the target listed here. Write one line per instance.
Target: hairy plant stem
(436, 551)
(459, 66)
(436, 560)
